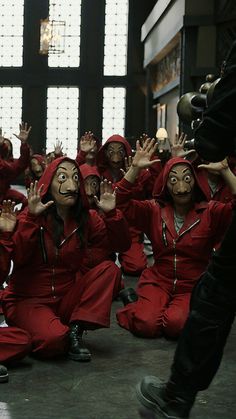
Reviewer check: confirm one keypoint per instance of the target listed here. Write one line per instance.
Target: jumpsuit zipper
(175, 255)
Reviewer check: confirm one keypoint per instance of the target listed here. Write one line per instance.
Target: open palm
(8, 216)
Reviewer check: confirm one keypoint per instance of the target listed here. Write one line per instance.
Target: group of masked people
(80, 214)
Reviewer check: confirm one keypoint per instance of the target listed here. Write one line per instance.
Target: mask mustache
(69, 193)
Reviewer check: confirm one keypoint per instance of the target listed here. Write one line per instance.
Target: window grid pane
(70, 12)
(113, 111)
(11, 114)
(116, 37)
(62, 119)
(11, 33)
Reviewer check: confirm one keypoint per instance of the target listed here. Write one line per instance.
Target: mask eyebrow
(61, 167)
(187, 169)
(173, 171)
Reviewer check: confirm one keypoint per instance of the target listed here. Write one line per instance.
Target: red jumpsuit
(9, 171)
(98, 254)
(47, 289)
(164, 289)
(15, 343)
(134, 260)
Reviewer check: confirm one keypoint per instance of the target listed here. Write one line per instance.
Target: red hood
(47, 176)
(160, 191)
(4, 152)
(101, 157)
(87, 170)
(40, 159)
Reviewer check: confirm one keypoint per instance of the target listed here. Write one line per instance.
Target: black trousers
(212, 311)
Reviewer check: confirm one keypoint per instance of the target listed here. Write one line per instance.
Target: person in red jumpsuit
(11, 168)
(48, 295)
(89, 146)
(111, 163)
(183, 230)
(35, 170)
(15, 343)
(97, 255)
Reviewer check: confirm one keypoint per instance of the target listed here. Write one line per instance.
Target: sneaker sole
(151, 405)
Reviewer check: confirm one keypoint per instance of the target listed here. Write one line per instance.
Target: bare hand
(87, 142)
(177, 148)
(8, 216)
(1, 137)
(142, 157)
(215, 168)
(58, 148)
(24, 132)
(35, 205)
(107, 197)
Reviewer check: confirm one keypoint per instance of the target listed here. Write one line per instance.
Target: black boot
(3, 374)
(128, 295)
(163, 399)
(77, 349)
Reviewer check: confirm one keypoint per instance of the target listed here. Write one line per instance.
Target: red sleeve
(26, 237)
(110, 231)
(6, 247)
(138, 213)
(13, 169)
(80, 158)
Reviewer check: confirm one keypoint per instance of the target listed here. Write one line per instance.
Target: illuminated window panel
(113, 111)
(62, 119)
(11, 33)
(70, 12)
(116, 37)
(10, 115)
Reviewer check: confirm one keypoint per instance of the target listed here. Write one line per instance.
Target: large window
(10, 115)
(116, 37)
(115, 64)
(70, 12)
(11, 33)
(62, 119)
(113, 111)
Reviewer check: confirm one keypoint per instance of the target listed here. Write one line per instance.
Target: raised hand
(87, 142)
(8, 216)
(177, 147)
(24, 132)
(107, 200)
(35, 205)
(1, 137)
(215, 168)
(58, 148)
(142, 157)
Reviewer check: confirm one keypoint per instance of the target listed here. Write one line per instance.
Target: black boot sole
(4, 378)
(86, 357)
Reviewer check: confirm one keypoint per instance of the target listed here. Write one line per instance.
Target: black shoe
(128, 295)
(3, 374)
(77, 349)
(154, 395)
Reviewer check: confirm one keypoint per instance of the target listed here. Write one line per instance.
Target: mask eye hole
(76, 177)
(188, 178)
(62, 177)
(173, 180)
